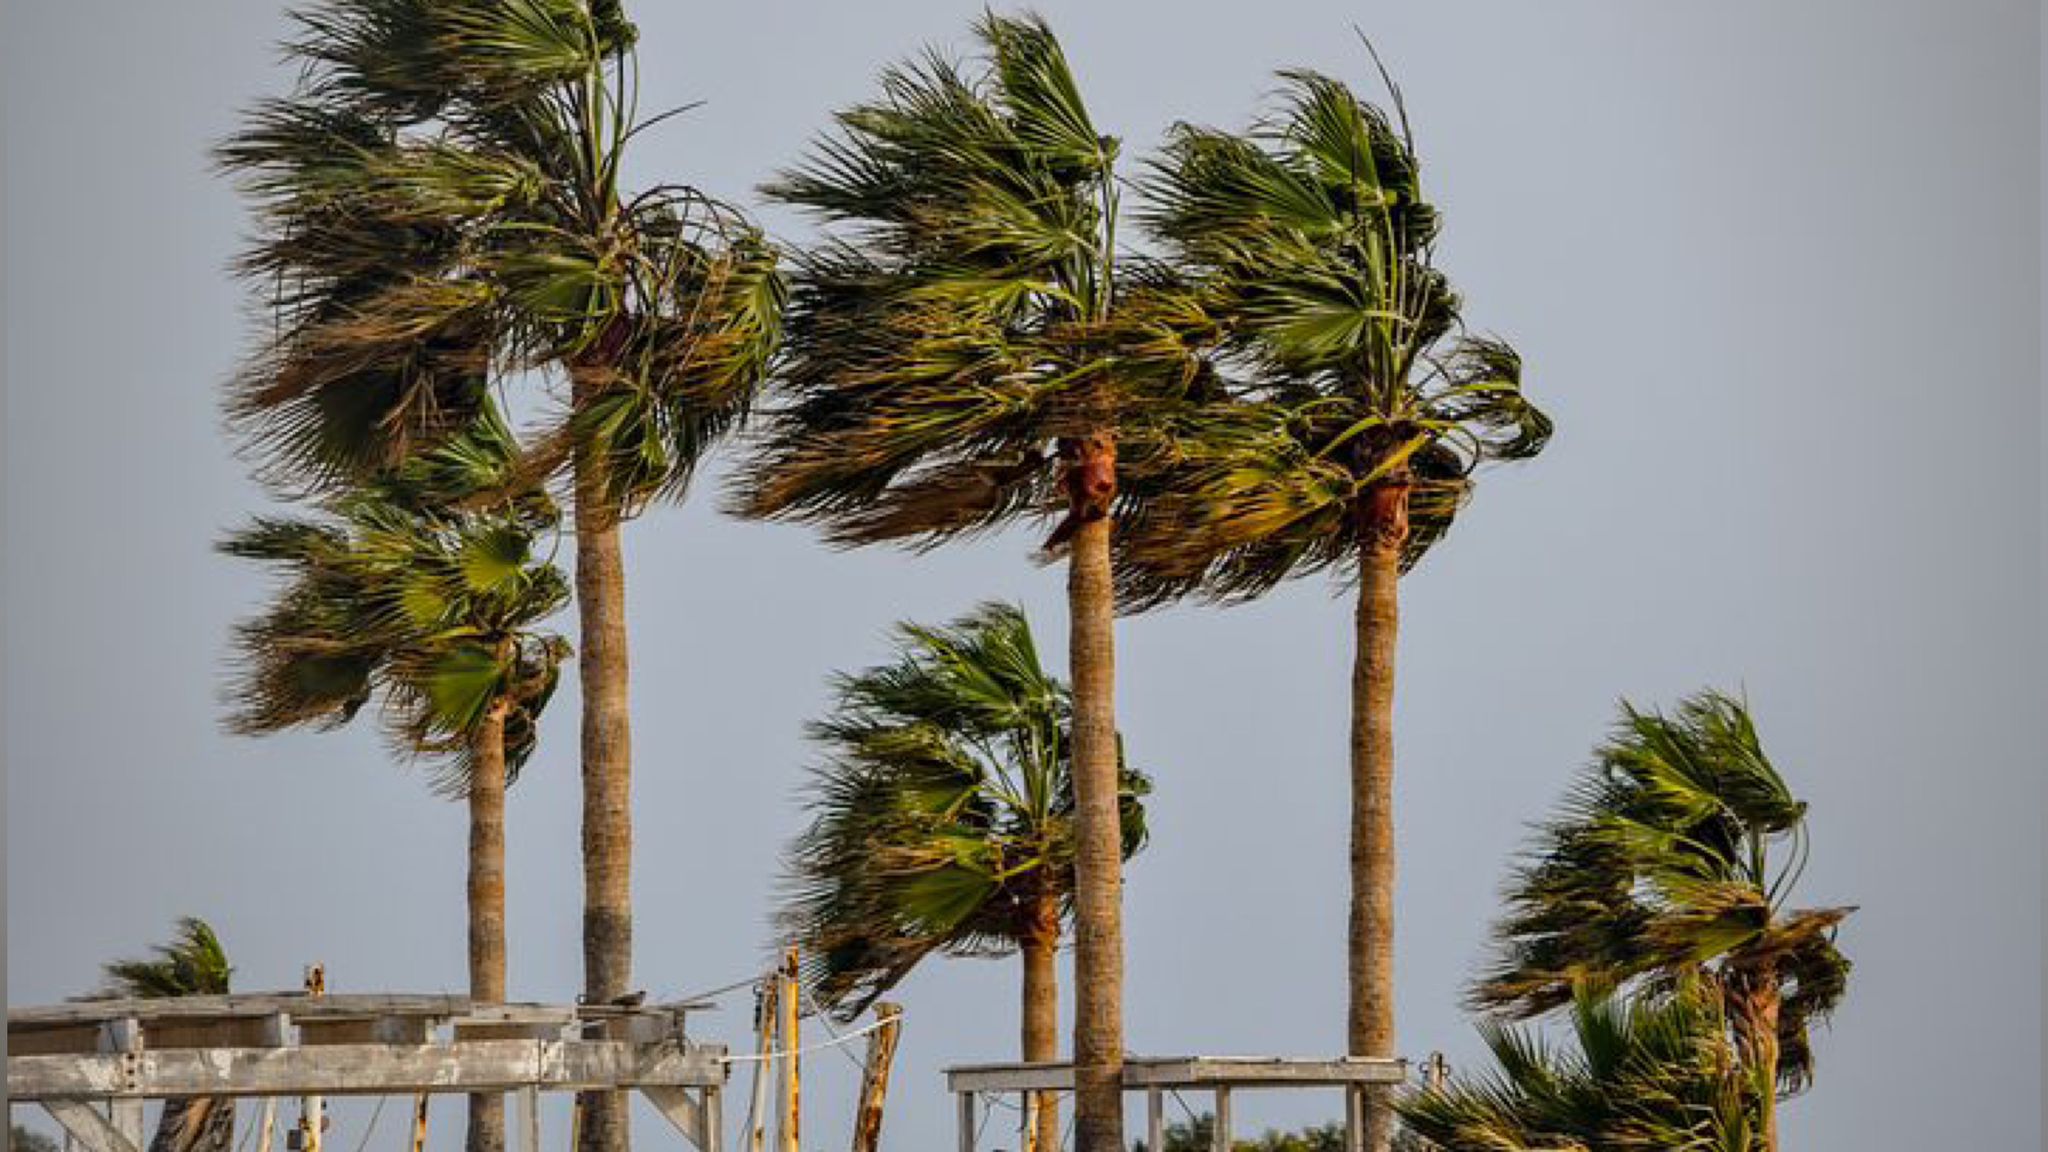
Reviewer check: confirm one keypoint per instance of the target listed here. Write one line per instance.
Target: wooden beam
(1259, 1071)
(367, 1069)
(699, 1117)
(47, 1041)
(1219, 1134)
(874, 1078)
(1184, 1072)
(367, 1030)
(83, 1123)
(714, 1118)
(312, 1108)
(358, 1005)
(966, 1117)
(1011, 1078)
(789, 1103)
(240, 1005)
(127, 1118)
(1155, 1119)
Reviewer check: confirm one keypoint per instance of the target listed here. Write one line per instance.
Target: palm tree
(1346, 414)
(435, 607)
(192, 964)
(943, 821)
(1674, 860)
(1647, 1074)
(953, 363)
(440, 207)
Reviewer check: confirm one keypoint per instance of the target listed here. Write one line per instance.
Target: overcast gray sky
(1775, 272)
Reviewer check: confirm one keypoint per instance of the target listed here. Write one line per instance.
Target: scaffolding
(1156, 1077)
(92, 1064)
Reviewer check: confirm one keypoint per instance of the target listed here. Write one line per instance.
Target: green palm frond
(1305, 288)
(438, 209)
(409, 591)
(941, 813)
(193, 963)
(960, 317)
(1640, 1075)
(1672, 858)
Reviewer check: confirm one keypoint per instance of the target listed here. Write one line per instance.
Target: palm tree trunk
(1098, 853)
(1041, 1020)
(1383, 530)
(607, 763)
(1757, 1027)
(487, 904)
(195, 1124)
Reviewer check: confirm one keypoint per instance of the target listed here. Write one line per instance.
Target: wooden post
(790, 1103)
(270, 1124)
(764, 1052)
(874, 1078)
(419, 1123)
(529, 1119)
(713, 1101)
(966, 1121)
(1220, 1137)
(123, 1038)
(313, 1109)
(1354, 1118)
(1155, 1120)
(127, 1117)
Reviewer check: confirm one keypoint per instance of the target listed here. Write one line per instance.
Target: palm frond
(957, 322)
(941, 811)
(423, 590)
(1671, 860)
(192, 963)
(1305, 288)
(439, 210)
(1641, 1074)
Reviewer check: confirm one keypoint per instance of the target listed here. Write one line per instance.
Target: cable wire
(825, 1022)
(834, 1042)
(374, 1114)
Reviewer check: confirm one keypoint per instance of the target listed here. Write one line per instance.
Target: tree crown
(942, 813)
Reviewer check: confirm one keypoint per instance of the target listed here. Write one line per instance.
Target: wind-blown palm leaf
(1674, 857)
(1304, 283)
(941, 814)
(193, 963)
(959, 320)
(1641, 1075)
(400, 590)
(438, 206)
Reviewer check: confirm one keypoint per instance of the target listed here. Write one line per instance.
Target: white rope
(834, 1042)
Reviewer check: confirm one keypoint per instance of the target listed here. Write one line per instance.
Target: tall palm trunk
(195, 1124)
(1383, 529)
(1041, 1019)
(607, 762)
(1098, 854)
(487, 904)
(1758, 1001)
